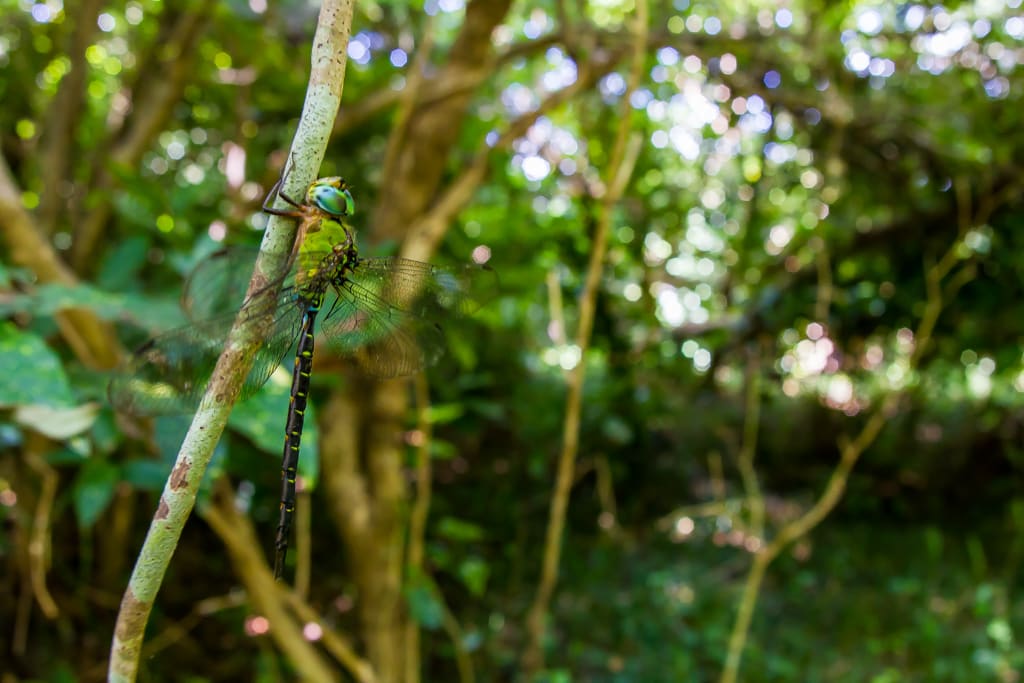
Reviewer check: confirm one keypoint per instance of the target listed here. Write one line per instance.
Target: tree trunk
(362, 427)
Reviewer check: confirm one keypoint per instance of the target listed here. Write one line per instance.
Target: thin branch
(606, 495)
(200, 610)
(63, 116)
(267, 596)
(350, 117)
(427, 231)
(322, 99)
(39, 538)
(463, 662)
(433, 131)
(625, 150)
(407, 103)
(748, 449)
(150, 111)
(850, 452)
(339, 647)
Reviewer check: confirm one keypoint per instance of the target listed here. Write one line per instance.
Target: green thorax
(326, 254)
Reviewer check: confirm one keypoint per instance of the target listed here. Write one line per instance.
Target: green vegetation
(747, 406)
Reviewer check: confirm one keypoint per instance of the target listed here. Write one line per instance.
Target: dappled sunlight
(747, 334)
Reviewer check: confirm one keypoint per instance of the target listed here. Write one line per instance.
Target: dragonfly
(383, 314)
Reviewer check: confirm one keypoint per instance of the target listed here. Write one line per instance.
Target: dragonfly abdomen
(293, 431)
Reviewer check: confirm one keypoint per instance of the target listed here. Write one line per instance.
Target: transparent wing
(383, 340)
(218, 283)
(427, 290)
(388, 311)
(169, 373)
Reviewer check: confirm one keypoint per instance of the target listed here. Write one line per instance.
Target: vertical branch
(407, 103)
(39, 538)
(160, 91)
(322, 99)
(620, 167)
(748, 449)
(63, 117)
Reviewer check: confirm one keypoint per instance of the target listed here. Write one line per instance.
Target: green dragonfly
(382, 313)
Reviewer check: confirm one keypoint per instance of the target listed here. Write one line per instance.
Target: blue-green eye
(331, 195)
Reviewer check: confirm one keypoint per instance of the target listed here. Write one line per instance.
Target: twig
(322, 98)
(267, 595)
(340, 648)
(202, 609)
(427, 231)
(410, 93)
(63, 116)
(463, 662)
(620, 166)
(748, 449)
(39, 539)
(606, 494)
(850, 452)
(150, 110)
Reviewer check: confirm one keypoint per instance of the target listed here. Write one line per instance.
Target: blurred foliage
(803, 165)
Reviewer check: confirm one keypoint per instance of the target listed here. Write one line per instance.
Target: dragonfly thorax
(327, 270)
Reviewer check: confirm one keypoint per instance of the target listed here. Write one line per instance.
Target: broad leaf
(30, 373)
(93, 490)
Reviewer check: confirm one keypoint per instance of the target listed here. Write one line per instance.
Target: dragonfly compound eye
(331, 196)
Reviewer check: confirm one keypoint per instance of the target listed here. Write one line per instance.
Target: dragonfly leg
(275, 192)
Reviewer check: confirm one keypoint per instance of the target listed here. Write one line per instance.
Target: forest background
(749, 404)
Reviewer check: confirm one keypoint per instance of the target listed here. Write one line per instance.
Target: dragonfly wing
(169, 373)
(382, 339)
(218, 284)
(428, 290)
(282, 327)
(388, 310)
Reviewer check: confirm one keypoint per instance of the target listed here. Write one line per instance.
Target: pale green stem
(323, 97)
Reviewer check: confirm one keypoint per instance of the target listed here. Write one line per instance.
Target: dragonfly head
(331, 196)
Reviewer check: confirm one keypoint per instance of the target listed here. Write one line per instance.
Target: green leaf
(105, 433)
(30, 373)
(148, 475)
(424, 600)
(474, 573)
(458, 530)
(442, 450)
(445, 412)
(93, 490)
(121, 265)
(261, 419)
(154, 314)
(45, 300)
(492, 410)
(168, 433)
(66, 456)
